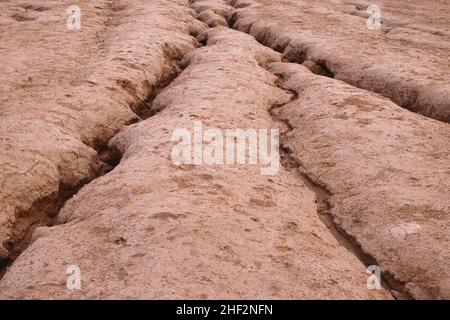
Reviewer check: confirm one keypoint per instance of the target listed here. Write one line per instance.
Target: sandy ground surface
(88, 175)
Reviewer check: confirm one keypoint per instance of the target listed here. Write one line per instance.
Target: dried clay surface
(359, 117)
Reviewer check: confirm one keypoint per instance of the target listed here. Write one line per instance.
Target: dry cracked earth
(88, 177)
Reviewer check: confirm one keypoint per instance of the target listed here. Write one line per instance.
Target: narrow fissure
(323, 196)
(45, 211)
(325, 206)
(323, 67)
(42, 213)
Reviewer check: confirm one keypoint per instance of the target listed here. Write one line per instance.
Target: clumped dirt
(86, 124)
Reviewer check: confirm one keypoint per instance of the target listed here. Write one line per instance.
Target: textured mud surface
(406, 61)
(88, 178)
(65, 94)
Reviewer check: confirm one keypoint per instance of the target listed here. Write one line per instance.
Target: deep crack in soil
(45, 211)
(324, 207)
(403, 95)
(323, 196)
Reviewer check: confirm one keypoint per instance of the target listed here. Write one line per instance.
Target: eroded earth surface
(88, 176)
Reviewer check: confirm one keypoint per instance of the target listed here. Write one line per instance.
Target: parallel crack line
(324, 196)
(323, 67)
